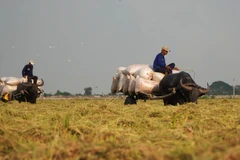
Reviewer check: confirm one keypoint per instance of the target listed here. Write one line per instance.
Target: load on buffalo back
(186, 89)
(25, 92)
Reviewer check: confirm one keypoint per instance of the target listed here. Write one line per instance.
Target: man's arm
(23, 71)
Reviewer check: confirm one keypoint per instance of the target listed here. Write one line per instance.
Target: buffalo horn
(41, 83)
(203, 91)
(188, 88)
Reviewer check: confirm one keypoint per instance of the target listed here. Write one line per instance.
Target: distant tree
(220, 88)
(88, 91)
(59, 93)
(47, 94)
(66, 94)
(237, 89)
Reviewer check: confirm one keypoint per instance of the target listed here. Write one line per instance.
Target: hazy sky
(98, 36)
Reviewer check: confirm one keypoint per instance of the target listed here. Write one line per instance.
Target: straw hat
(165, 48)
(31, 62)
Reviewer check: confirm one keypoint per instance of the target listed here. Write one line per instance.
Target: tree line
(87, 92)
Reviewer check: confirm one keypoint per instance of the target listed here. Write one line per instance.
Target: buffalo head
(191, 91)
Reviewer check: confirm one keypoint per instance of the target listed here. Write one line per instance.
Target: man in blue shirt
(159, 64)
(27, 72)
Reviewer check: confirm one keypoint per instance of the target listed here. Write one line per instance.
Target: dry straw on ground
(106, 129)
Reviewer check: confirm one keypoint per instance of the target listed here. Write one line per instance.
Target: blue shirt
(27, 70)
(159, 62)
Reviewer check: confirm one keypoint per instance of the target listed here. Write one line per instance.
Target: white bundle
(114, 85)
(126, 84)
(7, 89)
(131, 85)
(157, 76)
(121, 82)
(1, 88)
(133, 68)
(151, 66)
(146, 86)
(13, 81)
(4, 79)
(119, 70)
(175, 71)
(145, 73)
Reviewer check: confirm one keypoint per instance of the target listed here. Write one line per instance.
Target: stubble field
(106, 129)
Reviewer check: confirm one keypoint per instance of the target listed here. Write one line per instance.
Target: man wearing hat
(27, 72)
(159, 64)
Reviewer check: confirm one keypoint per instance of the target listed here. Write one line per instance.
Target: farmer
(27, 72)
(159, 64)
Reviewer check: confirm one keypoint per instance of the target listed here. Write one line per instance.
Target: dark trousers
(167, 71)
(35, 78)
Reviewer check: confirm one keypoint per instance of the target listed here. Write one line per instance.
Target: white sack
(157, 76)
(131, 85)
(151, 66)
(114, 85)
(126, 84)
(175, 71)
(3, 79)
(146, 86)
(1, 88)
(7, 89)
(121, 82)
(119, 70)
(13, 81)
(145, 73)
(133, 68)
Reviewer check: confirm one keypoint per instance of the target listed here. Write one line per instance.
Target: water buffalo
(29, 92)
(185, 87)
(25, 92)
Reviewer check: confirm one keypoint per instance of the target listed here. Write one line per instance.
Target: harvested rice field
(83, 129)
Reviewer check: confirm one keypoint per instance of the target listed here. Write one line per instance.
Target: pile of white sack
(137, 78)
(9, 84)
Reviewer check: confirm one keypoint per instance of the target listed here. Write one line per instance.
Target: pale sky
(98, 36)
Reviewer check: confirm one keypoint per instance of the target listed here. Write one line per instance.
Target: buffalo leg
(166, 101)
(174, 100)
(130, 100)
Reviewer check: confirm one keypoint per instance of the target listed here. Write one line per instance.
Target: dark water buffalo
(186, 90)
(27, 92)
